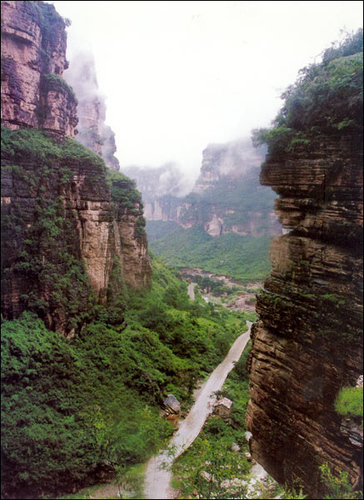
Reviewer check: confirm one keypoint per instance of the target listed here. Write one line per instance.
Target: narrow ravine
(158, 473)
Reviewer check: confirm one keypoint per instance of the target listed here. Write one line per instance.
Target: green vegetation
(42, 241)
(213, 286)
(39, 146)
(157, 229)
(51, 23)
(240, 257)
(42, 420)
(70, 405)
(326, 99)
(233, 199)
(349, 402)
(51, 81)
(337, 487)
(125, 196)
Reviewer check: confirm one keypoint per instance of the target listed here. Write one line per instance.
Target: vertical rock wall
(53, 185)
(307, 343)
(33, 58)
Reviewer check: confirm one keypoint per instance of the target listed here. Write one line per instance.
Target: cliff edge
(307, 343)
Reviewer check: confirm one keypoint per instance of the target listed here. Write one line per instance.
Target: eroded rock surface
(92, 130)
(33, 58)
(49, 179)
(307, 344)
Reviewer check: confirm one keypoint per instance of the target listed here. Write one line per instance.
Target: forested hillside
(239, 257)
(75, 411)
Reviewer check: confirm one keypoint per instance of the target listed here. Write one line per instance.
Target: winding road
(158, 473)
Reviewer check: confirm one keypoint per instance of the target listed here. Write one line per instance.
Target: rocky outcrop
(307, 343)
(171, 405)
(91, 111)
(58, 214)
(33, 58)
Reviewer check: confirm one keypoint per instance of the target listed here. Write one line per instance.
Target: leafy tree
(44, 434)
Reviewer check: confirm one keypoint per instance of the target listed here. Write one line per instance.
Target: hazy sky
(178, 75)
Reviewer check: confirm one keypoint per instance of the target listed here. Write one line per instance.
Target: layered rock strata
(307, 343)
(73, 201)
(233, 159)
(33, 58)
(60, 214)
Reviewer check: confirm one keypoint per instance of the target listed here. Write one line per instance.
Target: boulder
(171, 405)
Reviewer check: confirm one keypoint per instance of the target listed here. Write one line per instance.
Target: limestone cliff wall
(52, 185)
(226, 197)
(33, 58)
(307, 343)
(233, 159)
(58, 214)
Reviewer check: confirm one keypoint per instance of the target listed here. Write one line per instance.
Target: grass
(350, 402)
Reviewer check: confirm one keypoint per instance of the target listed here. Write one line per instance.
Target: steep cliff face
(307, 344)
(226, 197)
(33, 58)
(62, 229)
(234, 160)
(64, 222)
(93, 133)
(162, 189)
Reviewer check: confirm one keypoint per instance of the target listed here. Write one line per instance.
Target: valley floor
(158, 473)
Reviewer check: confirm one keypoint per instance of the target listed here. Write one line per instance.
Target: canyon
(74, 248)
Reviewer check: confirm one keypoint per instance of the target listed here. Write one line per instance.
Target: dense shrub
(70, 405)
(44, 432)
(239, 257)
(349, 402)
(326, 99)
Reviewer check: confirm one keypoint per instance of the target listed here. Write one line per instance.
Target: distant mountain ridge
(227, 196)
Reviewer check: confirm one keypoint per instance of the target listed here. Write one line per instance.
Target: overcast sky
(178, 75)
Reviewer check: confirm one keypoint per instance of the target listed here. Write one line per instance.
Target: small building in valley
(222, 407)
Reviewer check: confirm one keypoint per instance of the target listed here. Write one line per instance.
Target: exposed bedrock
(51, 185)
(33, 58)
(307, 343)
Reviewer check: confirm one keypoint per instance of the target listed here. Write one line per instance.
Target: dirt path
(191, 291)
(158, 473)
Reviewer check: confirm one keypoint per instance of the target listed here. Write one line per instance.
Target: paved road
(158, 474)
